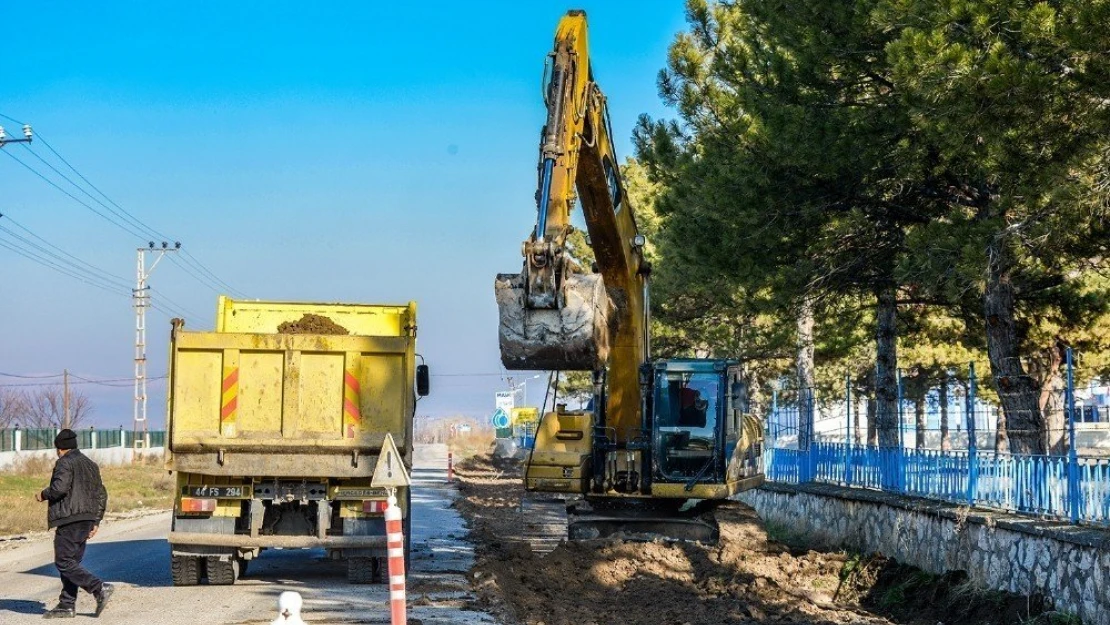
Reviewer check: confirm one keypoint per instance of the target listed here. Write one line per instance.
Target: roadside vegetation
(143, 485)
(867, 187)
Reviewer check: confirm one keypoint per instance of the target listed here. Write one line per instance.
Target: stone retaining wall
(1068, 564)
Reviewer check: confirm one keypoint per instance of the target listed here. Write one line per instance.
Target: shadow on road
(143, 563)
(20, 606)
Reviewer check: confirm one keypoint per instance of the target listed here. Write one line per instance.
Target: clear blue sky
(358, 151)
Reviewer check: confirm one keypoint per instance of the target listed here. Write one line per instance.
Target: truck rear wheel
(222, 572)
(185, 570)
(361, 570)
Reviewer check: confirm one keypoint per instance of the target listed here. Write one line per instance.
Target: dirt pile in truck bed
(747, 578)
(312, 324)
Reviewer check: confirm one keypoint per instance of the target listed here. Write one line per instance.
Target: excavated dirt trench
(747, 578)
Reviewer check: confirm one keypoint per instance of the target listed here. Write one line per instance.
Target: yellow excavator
(663, 442)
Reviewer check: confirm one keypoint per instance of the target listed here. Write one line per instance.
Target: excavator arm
(636, 458)
(557, 314)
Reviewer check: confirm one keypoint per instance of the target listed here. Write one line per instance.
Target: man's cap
(66, 439)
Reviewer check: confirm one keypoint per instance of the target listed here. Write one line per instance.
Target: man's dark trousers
(69, 550)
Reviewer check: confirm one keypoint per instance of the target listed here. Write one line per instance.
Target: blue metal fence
(1071, 486)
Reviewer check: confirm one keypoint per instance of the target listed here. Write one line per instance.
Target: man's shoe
(106, 591)
(60, 611)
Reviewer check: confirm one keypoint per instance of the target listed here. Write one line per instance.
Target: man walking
(78, 500)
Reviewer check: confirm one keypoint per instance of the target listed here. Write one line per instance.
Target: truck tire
(361, 570)
(222, 572)
(185, 570)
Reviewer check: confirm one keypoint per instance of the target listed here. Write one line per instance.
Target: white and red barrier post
(450, 467)
(395, 542)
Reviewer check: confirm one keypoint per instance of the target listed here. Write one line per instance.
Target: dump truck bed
(249, 400)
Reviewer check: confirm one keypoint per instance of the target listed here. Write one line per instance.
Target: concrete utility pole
(142, 302)
(65, 398)
(27, 136)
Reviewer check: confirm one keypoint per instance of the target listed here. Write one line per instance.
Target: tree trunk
(945, 437)
(1051, 400)
(919, 418)
(855, 425)
(1017, 391)
(806, 378)
(872, 433)
(886, 365)
(1001, 434)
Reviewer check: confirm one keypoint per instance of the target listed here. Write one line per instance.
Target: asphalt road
(135, 556)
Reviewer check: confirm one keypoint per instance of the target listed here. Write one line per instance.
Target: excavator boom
(658, 434)
(556, 314)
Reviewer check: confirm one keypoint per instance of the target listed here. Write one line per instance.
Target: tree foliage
(938, 167)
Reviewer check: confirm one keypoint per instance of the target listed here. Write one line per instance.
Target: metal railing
(968, 468)
(31, 439)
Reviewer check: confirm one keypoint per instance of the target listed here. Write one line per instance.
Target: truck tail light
(376, 506)
(193, 504)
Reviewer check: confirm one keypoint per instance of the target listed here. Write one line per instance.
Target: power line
(111, 382)
(192, 274)
(50, 182)
(72, 271)
(94, 272)
(134, 222)
(134, 219)
(129, 222)
(35, 258)
(188, 257)
(115, 383)
(30, 377)
(175, 305)
(63, 262)
(60, 250)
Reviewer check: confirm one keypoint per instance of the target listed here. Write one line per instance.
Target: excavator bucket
(572, 337)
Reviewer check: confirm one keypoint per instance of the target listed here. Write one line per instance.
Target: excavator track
(637, 519)
(543, 521)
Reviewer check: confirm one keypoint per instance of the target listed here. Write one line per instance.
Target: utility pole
(27, 136)
(65, 398)
(142, 302)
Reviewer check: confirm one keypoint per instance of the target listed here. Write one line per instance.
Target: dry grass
(464, 447)
(144, 484)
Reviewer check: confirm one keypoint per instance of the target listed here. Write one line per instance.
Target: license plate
(218, 492)
(359, 493)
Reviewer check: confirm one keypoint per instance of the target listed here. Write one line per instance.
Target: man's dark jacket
(76, 492)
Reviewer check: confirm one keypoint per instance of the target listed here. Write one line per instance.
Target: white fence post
(18, 439)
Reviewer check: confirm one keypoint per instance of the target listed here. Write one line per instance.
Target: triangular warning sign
(390, 471)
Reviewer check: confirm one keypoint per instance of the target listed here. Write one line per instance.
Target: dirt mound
(747, 578)
(312, 324)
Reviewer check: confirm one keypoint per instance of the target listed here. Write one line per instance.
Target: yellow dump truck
(275, 423)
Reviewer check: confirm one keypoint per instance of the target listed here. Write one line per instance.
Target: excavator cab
(687, 430)
(702, 435)
(697, 447)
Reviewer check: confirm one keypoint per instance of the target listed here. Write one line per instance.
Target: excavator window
(686, 421)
